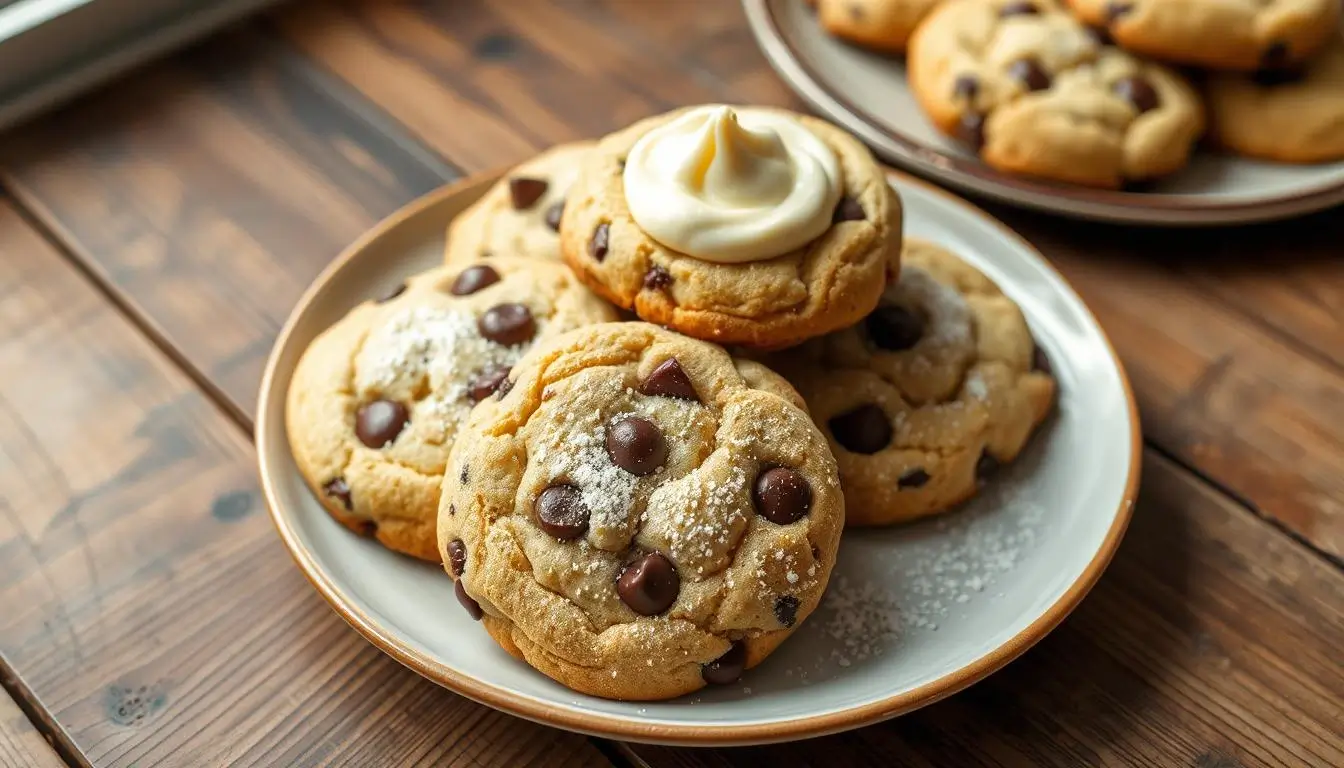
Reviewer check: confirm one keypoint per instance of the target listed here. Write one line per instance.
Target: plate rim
(975, 177)
(616, 726)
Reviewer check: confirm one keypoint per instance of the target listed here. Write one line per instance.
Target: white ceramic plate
(867, 94)
(913, 614)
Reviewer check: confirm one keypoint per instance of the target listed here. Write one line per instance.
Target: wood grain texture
(210, 190)
(1235, 338)
(1212, 640)
(21, 745)
(149, 607)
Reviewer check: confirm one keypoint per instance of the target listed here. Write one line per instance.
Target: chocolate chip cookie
(1220, 34)
(1295, 117)
(377, 399)
(748, 226)
(929, 395)
(641, 515)
(883, 25)
(519, 215)
(1034, 92)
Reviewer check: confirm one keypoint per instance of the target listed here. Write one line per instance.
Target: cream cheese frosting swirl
(732, 186)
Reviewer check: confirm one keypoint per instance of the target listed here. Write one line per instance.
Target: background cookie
(377, 399)
(771, 303)
(520, 215)
(1034, 92)
(1221, 34)
(1293, 118)
(884, 25)
(925, 398)
(641, 514)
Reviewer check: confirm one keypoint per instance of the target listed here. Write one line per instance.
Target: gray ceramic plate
(913, 613)
(867, 94)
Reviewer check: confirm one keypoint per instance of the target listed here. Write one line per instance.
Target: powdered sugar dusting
(952, 563)
(709, 518)
(949, 317)
(432, 350)
(608, 491)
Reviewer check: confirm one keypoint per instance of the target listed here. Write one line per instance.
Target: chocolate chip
(726, 669)
(1028, 71)
(636, 445)
(669, 379)
(656, 278)
(1020, 8)
(966, 87)
(971, 130)
(561, 512)
(507, 324)
(986, 466)
(485, 383)
(378, 423)
(525, 192)
(1273, 77)
(473, 279)
(1099, 36)
(554, 214)
(1116, 10)
(452, 509)
(368, 528)
(338, 489)
(457, 556)
(649, 585)
(782, 495)
(786, 610)
(894, 328)
(462, 476)
(1275, 56)
(392, 294)
(914, 478)
(468, 602)
(865, 429)
(1040, 361)
(848, 209)
(505, 387)
(597, 248)
(1137, 91)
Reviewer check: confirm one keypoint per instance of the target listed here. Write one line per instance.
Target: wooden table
(153, 236)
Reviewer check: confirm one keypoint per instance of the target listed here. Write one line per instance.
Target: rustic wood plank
(1212, 640)
(211, 189)
(1250, 391)
(1221, 391)
(22, 745)
(149, 607)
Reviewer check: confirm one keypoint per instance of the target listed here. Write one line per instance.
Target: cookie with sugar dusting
(925, 398)
(641, 515)
(378, 398)
(520, 214)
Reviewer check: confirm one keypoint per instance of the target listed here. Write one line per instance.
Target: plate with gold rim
(866, 93)
(913, 614)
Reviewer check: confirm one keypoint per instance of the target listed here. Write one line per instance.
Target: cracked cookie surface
(377, 399)
(641, 515)
(929, 395)
(770, 303)
(1035, 92)
(1220, 34)
(520, 214)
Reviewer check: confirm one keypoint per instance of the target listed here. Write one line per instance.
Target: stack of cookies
(638, 509)
(1088, 91)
